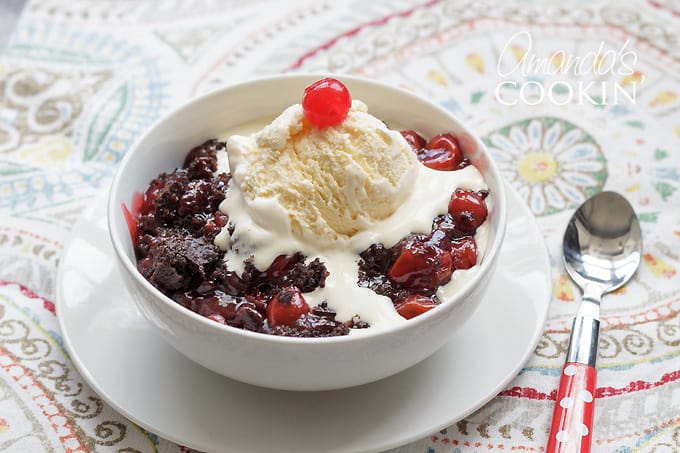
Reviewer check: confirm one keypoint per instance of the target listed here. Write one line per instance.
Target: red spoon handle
(572, 423)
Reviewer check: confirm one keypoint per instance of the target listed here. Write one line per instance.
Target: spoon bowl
(603, 243)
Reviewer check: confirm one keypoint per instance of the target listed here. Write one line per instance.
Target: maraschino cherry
(326, 102)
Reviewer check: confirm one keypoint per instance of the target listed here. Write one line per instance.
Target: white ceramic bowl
(283, 362)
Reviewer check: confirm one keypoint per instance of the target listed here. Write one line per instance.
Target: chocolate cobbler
(175, 222)
(180, 217)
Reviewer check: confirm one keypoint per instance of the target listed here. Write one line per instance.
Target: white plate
(138, 374)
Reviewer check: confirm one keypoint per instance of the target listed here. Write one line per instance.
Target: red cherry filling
(286, 307)
(258, 299)
(283, 264)
(467, 209)
(131, 214)
(442, 152)
(217, 318)
(415, 140)
(326, 102)
(464, 252)
(150, 196)
(215, 224)
(415, 305)
(421, 264)
(131, 222)
(411, 271)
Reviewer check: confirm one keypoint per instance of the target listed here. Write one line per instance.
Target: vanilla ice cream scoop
(331, 183)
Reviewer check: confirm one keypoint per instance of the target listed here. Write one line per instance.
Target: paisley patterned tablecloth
(80, 80)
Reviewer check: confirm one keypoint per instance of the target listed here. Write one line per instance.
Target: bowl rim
(113, 210)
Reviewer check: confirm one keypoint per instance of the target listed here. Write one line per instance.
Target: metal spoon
(602, 249)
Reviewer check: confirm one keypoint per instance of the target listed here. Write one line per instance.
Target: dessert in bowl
(370, 228)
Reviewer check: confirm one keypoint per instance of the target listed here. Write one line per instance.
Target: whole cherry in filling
(421, 264)
(286, 307)
(467, 209)
(326, 102)
(441, 152)
(414, 305)
(464, 253)
(414, 139)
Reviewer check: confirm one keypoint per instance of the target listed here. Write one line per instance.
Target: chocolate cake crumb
(311, 325)
(173, 259)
